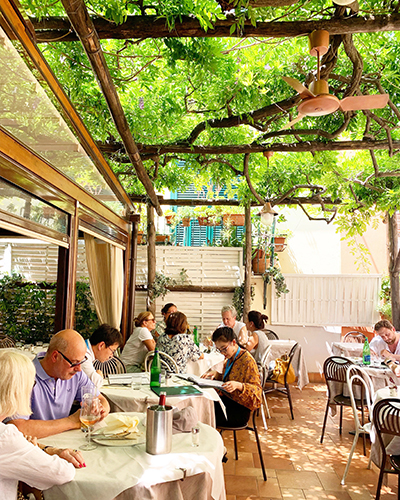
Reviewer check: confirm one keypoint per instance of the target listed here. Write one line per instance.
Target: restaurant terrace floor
(298, 466)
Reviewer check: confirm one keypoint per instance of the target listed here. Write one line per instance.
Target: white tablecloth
(125, 399)
(133, 473)
(31, 353)
(347, 349)
(213, 360)
(280, 347)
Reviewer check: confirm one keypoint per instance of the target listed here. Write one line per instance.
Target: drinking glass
(90, 414)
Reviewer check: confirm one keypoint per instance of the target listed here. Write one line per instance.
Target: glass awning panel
(28, 114)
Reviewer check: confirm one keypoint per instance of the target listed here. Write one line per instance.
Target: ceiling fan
(316, 100)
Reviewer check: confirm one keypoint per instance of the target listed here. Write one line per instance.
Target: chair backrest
(264, 359)
(356, 375)
(112, 366)
(167, 362)
(335, 369)
(291, 354)
(270, 334)
(354, 337)
(386, 419)
(6, 341)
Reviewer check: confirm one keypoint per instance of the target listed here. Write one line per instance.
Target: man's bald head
(67, 347)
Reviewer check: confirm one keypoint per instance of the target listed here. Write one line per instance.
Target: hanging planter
(162, 238)
(233, 219)
(140, 237)
(170, 219)
(280, 243)
(185, 221)
(204, 221)
(259, 263)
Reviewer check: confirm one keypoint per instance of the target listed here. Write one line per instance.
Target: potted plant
(385, 306)
(171, 217)
(184, 215)
(274, 274)
(260, 260)
(208, 216)
(162, 238)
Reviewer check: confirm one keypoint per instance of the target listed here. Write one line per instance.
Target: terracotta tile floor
(298, 466)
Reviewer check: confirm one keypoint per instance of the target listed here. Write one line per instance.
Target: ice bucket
(159, 430)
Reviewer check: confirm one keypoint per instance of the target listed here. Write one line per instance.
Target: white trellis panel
(327, 300)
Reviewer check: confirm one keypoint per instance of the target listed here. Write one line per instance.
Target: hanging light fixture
(267, 214)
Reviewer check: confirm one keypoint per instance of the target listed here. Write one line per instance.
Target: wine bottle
(155, 370)
(196, 336)
(162, 401)
(366, 354)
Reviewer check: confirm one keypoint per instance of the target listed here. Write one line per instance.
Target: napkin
(119, 422)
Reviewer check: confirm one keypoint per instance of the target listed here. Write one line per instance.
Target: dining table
(121, 470)
(347, 349)
(279, 348)
(211, 360)
(123, 398)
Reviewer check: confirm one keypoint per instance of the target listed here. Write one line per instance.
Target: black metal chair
(252, 428)
(335, 369)
(285, 387)
(386, 420)
(354, 337)
(111, 366)
(270, 334)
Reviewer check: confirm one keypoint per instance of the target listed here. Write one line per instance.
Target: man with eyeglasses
(101, 345)
(59, 379)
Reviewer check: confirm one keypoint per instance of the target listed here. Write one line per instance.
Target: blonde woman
(20, 460)
(139, 343)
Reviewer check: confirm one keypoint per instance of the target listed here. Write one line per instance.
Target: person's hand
(102, 412)
(210, 374)
(75, 418)
(73, 456)
(100, 373)
(31, 439)
(232, 385)
(201, 356)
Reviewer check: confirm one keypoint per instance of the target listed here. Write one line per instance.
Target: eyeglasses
(112, 350)
(224, 350)
(70, 362)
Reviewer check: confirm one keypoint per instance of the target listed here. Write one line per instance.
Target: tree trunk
(151, 257)
(247, 265)
(394, 269)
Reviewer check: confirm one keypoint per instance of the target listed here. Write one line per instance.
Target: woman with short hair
(242, 384)
(139, 343)
(39, 466)
(177, 343)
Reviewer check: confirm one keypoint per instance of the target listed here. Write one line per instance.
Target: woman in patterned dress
(177, 343)
(242, 385)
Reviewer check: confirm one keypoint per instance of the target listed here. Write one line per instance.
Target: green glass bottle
(155, 370)
(196, 336)
(366, 355)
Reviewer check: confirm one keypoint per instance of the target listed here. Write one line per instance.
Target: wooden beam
(194, 288)
(151, 258)
(22, 33)
(58, 29)
(159, 149)
(72, 264)
(235, 203)
(86, 31)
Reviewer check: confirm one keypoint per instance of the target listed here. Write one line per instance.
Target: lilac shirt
(52, 399)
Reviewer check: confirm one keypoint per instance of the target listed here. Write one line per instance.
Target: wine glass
(90, 414)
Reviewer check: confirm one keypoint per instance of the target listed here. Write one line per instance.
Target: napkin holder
(159, 430)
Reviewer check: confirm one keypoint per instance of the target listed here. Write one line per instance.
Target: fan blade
(297, 119)
(359, 102)
(299, 87)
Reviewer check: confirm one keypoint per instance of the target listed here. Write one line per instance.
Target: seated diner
(167, 309)
(139, 343)
(242, 385)
(177, 343)
(258, 341)
(20, 459)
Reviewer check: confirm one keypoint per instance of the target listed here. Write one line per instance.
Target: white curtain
(106, 275)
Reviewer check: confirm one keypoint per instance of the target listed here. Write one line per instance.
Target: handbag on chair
(280, 369)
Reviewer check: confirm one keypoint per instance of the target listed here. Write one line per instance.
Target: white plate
(140, 438)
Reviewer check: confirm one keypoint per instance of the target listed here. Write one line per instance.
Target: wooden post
(71, 273)
(62, 285)
(130, 280)
(151, 257)
(247, 264)
(394, 268)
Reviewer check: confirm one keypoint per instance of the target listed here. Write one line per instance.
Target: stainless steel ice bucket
(159, 430)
